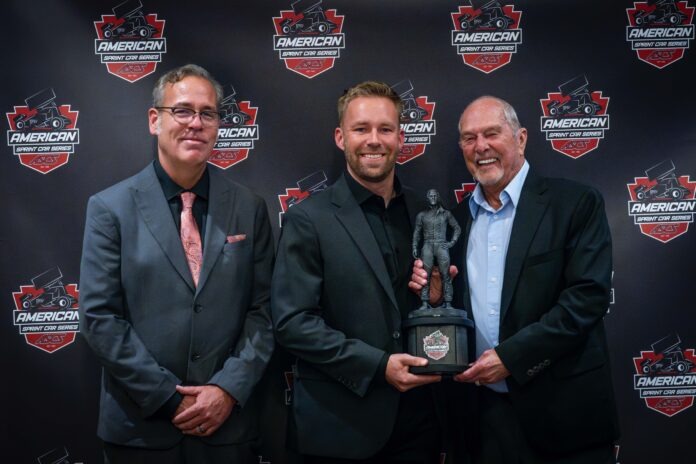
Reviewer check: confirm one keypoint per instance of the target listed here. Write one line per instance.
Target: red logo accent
(227, 157)
(644, 190)
(40, 156)
(464, 192)
(486, 62)
(288, 24)
(410, 151)
(130, 62)
(578, 145)
(656, 51)
(48, 336)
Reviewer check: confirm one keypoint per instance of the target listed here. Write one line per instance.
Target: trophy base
(440, 335)
(438, 369)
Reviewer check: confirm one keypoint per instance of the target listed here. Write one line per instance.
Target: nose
(481, 143)
(196, 121)
(373, 138)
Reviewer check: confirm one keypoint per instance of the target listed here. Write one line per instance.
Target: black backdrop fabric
(607, 101)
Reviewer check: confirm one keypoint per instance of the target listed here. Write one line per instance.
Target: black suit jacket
(555, 293)
(148, 325)
(334, 308)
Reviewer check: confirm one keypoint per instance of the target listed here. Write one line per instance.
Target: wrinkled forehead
(482, 114)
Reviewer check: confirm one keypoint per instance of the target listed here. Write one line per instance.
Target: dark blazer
(334, 308)
(147, 324)
(555, 293)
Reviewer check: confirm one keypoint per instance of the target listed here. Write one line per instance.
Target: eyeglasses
(185, 115)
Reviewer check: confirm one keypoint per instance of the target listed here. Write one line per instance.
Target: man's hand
(399, 377)
(419, 278)
(488, 368)
(205, 408)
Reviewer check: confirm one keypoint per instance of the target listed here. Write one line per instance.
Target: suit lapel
(219, 198)
(461, 282)
(153, 207)
(533, 203)
(351, 216)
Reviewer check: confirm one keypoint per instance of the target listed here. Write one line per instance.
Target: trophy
(439, 334)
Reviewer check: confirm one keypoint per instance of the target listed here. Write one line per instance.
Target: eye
(209, 116)
(183, 112)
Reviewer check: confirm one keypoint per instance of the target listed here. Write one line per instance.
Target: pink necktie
(190, 237)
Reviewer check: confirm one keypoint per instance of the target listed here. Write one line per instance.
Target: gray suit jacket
(147, 324)
(334, 308)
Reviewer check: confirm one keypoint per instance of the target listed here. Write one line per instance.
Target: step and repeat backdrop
(606, 90)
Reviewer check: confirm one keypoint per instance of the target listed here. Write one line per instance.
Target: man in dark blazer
(339, 294)
(182, 342)
(536, 270)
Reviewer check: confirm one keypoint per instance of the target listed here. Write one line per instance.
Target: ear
(338, 138)
(521, 140)
(402, 137)
(153, 120)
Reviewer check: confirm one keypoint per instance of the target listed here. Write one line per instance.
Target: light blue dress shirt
(485, 260)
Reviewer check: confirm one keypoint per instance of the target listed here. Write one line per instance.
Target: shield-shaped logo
(436, 345)
(486, 34)
(662, 204)
(237, 132)
(574, 119)
(660, 31)
(46, 311)
(129, 42)
(43, 134)
(666, 376)
(308, 38)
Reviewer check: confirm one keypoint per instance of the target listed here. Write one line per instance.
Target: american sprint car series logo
(660, 31)
(662, 204)
(436, 345)
(308, 38)
(42, 133)
(237, 132)
(416, 121)
(129, 42)
(486, 34)
(666, 376)
(46, 311)
(574, 119)
(307, 186)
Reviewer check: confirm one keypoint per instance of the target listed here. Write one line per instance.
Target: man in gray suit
(174, 292)
(340, 293)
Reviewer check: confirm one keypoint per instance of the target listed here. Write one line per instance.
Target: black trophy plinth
(441, 335)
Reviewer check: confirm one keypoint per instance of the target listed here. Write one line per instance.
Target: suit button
(396, 335)
(195, 357)
(547, 363)
(530, 373)
(198, 308)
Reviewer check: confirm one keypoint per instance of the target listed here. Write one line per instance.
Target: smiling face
(370, 136)
(493, 152)
(183, 149)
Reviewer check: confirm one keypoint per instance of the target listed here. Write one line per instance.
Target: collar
(171, 189)
(361, 194)
(511, 192)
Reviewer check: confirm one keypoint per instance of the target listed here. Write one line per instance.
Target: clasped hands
(203, 410)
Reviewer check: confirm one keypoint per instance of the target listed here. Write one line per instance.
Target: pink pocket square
(235, 238)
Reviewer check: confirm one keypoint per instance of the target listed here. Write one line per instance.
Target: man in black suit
(339, 294)
(174, 297)
(536, 265)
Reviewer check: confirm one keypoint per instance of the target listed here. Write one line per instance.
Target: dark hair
(178, 74)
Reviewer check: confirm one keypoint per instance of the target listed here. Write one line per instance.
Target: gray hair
(509, 112)
(178, 74)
